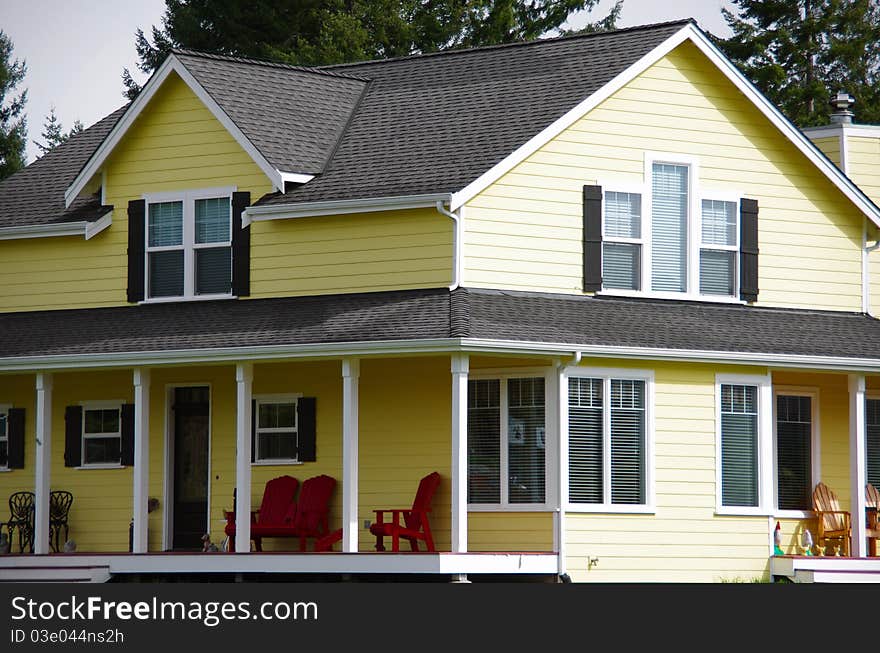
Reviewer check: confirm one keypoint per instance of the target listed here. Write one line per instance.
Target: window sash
(94, 437)
(670, 218)
(740, 446)
(794, 451)
(622, 241)
(265, 433)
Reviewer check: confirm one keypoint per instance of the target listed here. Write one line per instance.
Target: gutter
(457, 237)
(866, 274)
(85, 229)
(339, 207)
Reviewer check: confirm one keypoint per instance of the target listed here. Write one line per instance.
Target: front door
(190, 410)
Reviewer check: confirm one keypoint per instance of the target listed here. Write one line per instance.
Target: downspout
(562, 457)
(456, 242)
(866, 278)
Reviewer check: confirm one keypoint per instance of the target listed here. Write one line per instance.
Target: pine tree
(54, 134)
(13, 124)
(801, 52)
(318, 32)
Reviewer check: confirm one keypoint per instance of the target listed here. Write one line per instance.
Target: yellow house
(598, 283)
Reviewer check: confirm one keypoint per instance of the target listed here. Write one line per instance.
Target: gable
(810, 232)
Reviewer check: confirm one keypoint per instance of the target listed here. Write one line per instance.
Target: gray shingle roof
(437, 314)
(35, 195)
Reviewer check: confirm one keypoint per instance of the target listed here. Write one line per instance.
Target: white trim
(294, 178)
(764, 437)
(93, 406)
(92, 229)
(857, 461)
(340, 207)
(141, 472)
(844, 151)
(815, 444)
(171, 64)
(351, 370)
(606, 375)
(101, 466)
(85, 229)
(459, 368)
(43, 461)
(288, 398)
(244, 380)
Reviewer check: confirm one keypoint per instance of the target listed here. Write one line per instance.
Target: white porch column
(43, 463)
(140, 492)
(244, 377)
(460, 369)
(351, 371)
(857, 473)
(562, 456)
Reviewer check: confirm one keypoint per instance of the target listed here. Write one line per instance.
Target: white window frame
(550, 390)
(189, 246)
(274, 399)
(631, 189)
(766, 453)
(99, 405)
(607, 374)
(696, 194)
(733, 198)
(4, 434)
(815, 445)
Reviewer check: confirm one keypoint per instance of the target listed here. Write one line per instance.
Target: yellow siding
(18, 391)
(830, 146)
(351, 253)
(524, 231)
(863, 167)
(510, 531)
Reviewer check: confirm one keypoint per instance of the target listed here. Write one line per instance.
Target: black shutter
(748, 250)
(592, 235)
(73, 436)
(306, 429)
(127, 419)
(253, 430)
(136, 245)
(241, 247)
(15, 438)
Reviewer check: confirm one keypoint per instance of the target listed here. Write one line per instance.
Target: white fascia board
(171, 64)
(339, 207)
(85, 229)
(295, 178)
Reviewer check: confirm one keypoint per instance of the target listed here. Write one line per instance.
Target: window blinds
(669, 218)
(739, 445)
(794, 452)
(526, 440)
(585, 481)
(484, 441)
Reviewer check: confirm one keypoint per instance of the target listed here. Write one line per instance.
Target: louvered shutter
(306, 429)
(73, 436)
(592, 238)
(872, 448)
(241, 246)
(748, 250)
(136, 245)
(127, 432)
(15, 438)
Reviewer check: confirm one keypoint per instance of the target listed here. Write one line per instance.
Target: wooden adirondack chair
(313, 509)
(275, 516)
(834, 524)
(872, 505)
(415, 524)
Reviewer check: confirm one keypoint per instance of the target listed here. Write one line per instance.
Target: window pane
(526, 440)
(623, 215)
(166, 274)
(793, 452)
(669, 213)
(275, 446)
(101, 450)
(102, 420)
(484, 441)
(166, 224)
(872, 449)
(213, 220)
(716, 272)
(627, 441)
(719, 223)
(278, 415)
(585, 440)
(621, 265)
(739, 445)
(214, 271)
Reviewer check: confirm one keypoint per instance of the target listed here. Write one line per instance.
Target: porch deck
(85, 567)
(825, 569)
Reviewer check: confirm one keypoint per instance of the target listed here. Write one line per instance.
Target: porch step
(835, 576)
(56, 574)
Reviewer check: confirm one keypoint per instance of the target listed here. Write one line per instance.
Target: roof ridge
(265, 62)
(498, 46)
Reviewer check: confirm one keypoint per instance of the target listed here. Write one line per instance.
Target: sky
(75, 50)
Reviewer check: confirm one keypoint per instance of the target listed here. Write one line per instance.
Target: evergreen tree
(318, 32)
(799, 53)
(54, 134)
(13, 124)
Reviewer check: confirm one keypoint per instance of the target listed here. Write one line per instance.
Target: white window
(4, 437)
(507, 441)
(189, 244)
(744, 471)
(610, 440)
(796, 444)
(669, 237)
(275, 439)
(101, 434)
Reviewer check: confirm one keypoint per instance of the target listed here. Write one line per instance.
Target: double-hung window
(189, 244)
(275, 438)
(610, 439)
(101, 434)
(507, 427)
(4, 437)
(669, 237)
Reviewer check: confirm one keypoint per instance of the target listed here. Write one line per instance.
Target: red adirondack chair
(313, 509)
(275, 516)
(415, 524)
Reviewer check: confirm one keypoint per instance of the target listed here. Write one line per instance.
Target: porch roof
(438, 315)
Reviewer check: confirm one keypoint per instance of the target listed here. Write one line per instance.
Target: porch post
(141, 489)
(562, 456)
(43, 463)
(244, 377)
(857, 462)
(351, 370)
(460, 369)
